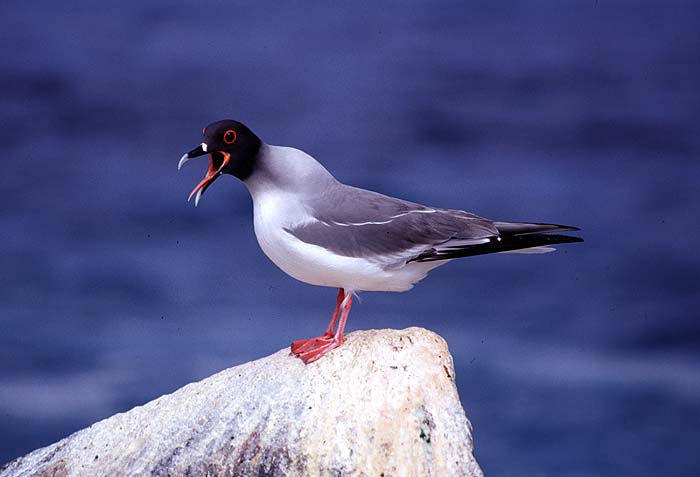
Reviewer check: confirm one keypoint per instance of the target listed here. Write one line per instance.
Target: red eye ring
(230, 136)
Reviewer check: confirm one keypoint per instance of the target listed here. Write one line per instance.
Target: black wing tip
(506, 243)
(569, 228)
(563, 238)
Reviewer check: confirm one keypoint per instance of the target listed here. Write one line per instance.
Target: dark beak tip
(196, 152)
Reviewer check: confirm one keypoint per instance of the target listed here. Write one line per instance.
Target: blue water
(114, 290)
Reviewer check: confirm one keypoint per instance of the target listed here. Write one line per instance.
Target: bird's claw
(313, 348)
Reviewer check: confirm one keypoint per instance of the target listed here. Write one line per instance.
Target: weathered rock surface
(383, 404)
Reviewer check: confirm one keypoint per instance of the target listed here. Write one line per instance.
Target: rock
(383, 404)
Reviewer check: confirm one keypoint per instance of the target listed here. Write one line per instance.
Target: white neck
(285, 169)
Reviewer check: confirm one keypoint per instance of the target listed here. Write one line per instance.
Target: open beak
(217, 162)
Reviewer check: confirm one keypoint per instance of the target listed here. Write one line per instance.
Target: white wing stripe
(428, 211)
(362, 223)
(382, 222)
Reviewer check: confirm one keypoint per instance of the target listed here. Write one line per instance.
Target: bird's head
(232, 148)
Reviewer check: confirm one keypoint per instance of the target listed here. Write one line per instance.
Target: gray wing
(358, 223)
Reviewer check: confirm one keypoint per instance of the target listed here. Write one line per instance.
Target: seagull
(326, 233)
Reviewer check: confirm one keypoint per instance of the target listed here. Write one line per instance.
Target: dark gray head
(233, 149)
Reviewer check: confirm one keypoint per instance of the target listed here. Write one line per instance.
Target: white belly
(317, 266)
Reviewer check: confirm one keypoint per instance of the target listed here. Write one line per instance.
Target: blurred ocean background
(115, 290)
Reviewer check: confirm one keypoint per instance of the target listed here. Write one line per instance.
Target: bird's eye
(230, 136)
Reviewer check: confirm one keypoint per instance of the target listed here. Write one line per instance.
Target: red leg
(323, 346)
(334, 319)
(300, 346)
(340, 334)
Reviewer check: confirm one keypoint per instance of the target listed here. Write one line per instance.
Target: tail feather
(522, 228)
(532, 250)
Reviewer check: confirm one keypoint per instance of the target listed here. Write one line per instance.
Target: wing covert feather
(359, 223)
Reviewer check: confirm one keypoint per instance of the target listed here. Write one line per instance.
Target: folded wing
(360, 223)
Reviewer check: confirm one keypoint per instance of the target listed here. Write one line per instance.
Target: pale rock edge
(383, 404)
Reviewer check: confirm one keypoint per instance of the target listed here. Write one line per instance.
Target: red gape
(311, 349)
